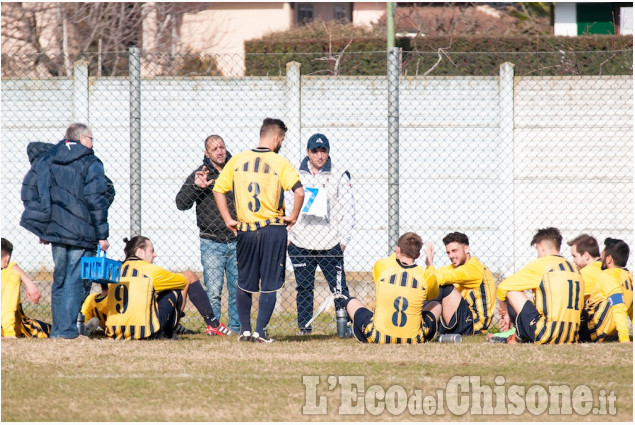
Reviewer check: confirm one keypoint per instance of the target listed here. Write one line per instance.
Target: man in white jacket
(324, 228)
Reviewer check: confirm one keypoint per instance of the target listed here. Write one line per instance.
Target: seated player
(401, 289)
(586, 255)
(605, 311)
(95, 310)
(148, 300)
(466, 290)
(558, 288)
(14, 321)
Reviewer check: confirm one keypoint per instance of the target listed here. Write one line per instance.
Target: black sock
(243, 305)
(266, 303)
(201, 302)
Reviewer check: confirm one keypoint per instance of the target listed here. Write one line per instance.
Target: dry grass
(214, 379)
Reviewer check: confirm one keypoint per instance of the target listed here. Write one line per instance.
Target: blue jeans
(219, 261)
(305, 263)
(68, 290)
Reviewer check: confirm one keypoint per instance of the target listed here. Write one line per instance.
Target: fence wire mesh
(495, 153)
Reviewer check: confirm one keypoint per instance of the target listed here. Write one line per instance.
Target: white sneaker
(91, 326)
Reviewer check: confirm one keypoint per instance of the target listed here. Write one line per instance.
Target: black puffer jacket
(66, 194)
(208, 218)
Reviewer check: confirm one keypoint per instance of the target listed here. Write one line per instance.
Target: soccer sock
(243, 305)
(201, 302)
(444, 291)
(265, 309)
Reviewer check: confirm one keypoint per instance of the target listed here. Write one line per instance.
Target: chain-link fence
(496, 156)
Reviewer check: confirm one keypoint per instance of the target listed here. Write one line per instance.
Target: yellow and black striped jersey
(132, 305)
(400, 291)
(609, 305)
(14, 322)
(258, 178)
(96, 305)
(590, 273)
(10, 301)
(558, 289)
(476, 284)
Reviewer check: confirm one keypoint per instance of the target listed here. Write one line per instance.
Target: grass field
(202, 378)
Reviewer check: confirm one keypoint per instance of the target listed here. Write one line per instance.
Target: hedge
(544, 55)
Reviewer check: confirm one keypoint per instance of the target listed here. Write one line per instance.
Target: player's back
(400, 292)
(559, 299)
(132, 307)
(258, 178)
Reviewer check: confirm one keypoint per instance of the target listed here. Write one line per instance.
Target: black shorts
(261, 257)
(462, 321)
(526, 322)
(169, 305)
(364, 317)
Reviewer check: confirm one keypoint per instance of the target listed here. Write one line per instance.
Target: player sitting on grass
(558, 287)
(95, 310)
(466, 290)
(401, 289)
(148, 301)
(14, 322)
(586, 255)
(604, 314)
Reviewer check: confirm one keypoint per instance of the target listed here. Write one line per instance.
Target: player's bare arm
(221, 202)
(298, 200)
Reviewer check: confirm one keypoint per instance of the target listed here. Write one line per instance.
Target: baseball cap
(318, 140)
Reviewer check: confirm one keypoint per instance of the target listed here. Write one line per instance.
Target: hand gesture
(200, 178)
(429, 252)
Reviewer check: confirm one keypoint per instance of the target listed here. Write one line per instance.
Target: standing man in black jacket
(66, 197)
(218, 243)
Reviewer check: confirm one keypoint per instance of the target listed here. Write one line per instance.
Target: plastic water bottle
(450, 338)
(80, 324)
(341, 319)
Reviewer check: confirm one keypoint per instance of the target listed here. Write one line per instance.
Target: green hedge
(545, 55)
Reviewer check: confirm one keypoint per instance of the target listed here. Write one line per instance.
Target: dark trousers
(305, 262)
(169, 305)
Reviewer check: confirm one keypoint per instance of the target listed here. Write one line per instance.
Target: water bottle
(341, 319)
(80, 324)
(450, 338)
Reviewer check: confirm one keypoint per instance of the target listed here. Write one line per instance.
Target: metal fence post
(506, 143)
(294, 114)
(80, 92)
(393, 147)
(135, 140)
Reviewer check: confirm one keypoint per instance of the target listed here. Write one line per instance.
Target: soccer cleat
(507, 337)
(91, 326)
(263, 338)
(182, 330)
(246, 337)
(221, 330)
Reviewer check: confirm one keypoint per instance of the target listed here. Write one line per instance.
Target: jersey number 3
(399, 317)
(254, 189)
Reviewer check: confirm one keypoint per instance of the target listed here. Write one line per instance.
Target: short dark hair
(410, 245)
(585, 243)
(211, 138)
(456, 237)
(272, 124)
(618, 250)
(7, 247)
(550, 234)
(104, 286)
(133, 244)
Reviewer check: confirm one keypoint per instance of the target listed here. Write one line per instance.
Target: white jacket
(312, 232)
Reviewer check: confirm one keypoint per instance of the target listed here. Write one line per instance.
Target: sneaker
(263, 338)
(246, 337)
(220, 330)
(306, 331)
(507, 337)
(182, 330)
(91, 326)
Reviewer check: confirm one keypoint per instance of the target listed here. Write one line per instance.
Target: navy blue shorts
(364, 317)
(169, 304)
(462, 321)
(525, 321)
(261, 257)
